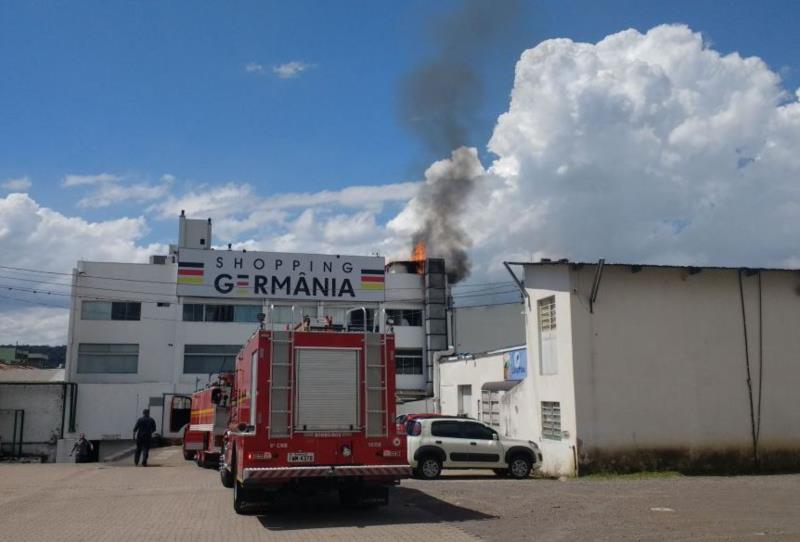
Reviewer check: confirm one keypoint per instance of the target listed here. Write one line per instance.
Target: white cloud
(254, 67)
(290, 70)
(112, 193)
(21, 184)
(36, 237)
(238, 210)
(78, 180)
(108, 189)
(34, 325)
(642, 148)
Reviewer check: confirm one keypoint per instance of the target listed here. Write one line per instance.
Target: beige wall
(558, 455)
(659, 367)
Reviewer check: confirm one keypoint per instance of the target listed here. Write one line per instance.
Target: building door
(177, 413)
(465, 400)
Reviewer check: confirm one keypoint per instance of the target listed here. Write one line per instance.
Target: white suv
(435, 443)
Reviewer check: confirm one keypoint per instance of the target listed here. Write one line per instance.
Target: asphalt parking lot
(175, 500)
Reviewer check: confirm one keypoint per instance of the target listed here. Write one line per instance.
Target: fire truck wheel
(187, 455)
(226, 477)
(429, 468)
(240, 496)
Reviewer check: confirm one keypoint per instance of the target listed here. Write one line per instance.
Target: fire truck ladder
(280, 384)
(376, 384)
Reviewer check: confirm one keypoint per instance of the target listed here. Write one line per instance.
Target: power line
(489, 290)
(172, 282)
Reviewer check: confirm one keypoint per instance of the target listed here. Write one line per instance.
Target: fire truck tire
(240, 498)
(187, 455)
(429, 468)
(226, 477)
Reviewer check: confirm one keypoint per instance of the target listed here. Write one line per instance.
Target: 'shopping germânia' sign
(278, 275)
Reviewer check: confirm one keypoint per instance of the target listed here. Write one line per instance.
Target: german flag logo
(190, 273)
(243, 284)
(372, 279)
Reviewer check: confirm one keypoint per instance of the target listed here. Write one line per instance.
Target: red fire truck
(203, 435)
(314, 410)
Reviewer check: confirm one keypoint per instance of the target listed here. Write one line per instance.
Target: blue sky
(115, 115)
(148, 88)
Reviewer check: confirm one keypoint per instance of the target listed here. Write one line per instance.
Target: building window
(209, 358)
(108, 358)
(195, 312)
(408, 361)
(490, 407)
(219, 313)
(548, 353)
(357, 320)
(284, 315)
(192, 312)
(551, 420)
(246, 313)
(111, 310)
(404, 317)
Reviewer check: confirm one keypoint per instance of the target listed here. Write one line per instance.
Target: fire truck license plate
(300, 458)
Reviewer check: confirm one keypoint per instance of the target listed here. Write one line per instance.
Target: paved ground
(174, 500)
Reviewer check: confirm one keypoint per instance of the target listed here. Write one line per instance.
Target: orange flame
(418, 254)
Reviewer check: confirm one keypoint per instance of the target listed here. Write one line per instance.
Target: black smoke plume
(440, 102)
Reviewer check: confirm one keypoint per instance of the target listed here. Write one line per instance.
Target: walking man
(83, 447)
(143, 433)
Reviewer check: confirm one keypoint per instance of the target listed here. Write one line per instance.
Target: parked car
(447, 442)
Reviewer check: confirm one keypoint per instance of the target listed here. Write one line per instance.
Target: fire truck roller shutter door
(327, 389)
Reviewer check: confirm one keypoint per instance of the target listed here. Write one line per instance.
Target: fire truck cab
(313, 410)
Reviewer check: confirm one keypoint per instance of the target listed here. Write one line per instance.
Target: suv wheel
(429, 468)
(519, 467)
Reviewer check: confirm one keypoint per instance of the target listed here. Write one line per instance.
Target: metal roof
(565, 261)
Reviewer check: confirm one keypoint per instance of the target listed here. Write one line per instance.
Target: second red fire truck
(313, 409)
(203, 435)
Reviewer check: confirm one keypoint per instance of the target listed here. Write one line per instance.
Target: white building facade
(147, 335)
(647, 367)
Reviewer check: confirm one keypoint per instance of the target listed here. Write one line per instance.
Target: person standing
(143, 433)
(84, 448)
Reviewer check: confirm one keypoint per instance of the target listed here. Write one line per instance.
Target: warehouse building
(148, 335)
(636, 367)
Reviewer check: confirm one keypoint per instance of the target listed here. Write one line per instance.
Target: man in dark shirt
(83, 447)
(143, 433)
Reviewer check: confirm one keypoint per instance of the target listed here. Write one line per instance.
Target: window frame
(406, 368)
(85, 355)
(551, 420)
(118, 311)
(222, 351)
